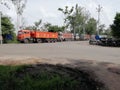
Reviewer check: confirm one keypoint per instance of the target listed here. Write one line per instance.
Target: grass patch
(45, 77)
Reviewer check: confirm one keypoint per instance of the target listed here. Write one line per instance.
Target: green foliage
(47, 25)
(15, 78)
(102, 29)
(55, 28)
(37, 24)
(108, 32)
(116, 26)
(67, 12)
(91, 26)
(78, 20)
(7, 28)
(47, 77)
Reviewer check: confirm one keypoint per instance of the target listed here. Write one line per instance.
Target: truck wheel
(26, 40)
(39, 40)
(90, 42)
(55, 40)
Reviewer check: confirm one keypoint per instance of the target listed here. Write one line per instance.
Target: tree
(46, 26)
(30, 28)
(37, 24)
(78, 19)
(67, 12)
(55, 28)
(91, 26)
(7, 26)
(116, 26)
(108, 32)
(102, 29)
(7, 29)
(20, 6)
(75, 18)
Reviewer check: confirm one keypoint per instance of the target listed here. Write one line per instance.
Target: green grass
(17, 78)
(46, 77)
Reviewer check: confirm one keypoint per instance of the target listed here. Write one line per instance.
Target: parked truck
(27, 36)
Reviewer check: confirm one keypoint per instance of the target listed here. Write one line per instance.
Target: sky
(47, 10)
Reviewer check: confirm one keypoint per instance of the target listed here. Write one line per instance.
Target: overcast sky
(47, 10)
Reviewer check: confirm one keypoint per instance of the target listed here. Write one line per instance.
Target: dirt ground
(107, 73)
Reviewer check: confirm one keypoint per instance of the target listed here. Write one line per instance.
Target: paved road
(66, 50)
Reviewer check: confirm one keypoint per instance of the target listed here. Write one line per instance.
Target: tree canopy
(7, 26)
(7, 29)
(116, 26)
(91, 26)
(78, 20)
(55, 28)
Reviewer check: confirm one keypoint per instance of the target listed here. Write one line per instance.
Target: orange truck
(27, 36)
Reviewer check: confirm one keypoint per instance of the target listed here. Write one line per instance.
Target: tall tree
(116, 26)
(20, 6)
(67, 12)
(78, 18)
(102, 29)
(91, 26)
(77, 21)
(7, 29)
(7, 26)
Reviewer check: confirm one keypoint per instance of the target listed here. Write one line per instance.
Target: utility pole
(0, 28)
(0, 24)
(98, 22)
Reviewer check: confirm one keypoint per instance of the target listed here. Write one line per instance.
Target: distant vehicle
(65, 36)
(93, 40)
(103, 40)
(84, 37)
(27, 36)
(96, 39)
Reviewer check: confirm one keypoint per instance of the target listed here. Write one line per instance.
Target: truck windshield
(20, 32)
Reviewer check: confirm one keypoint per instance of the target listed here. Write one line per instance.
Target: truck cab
(24, 35)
